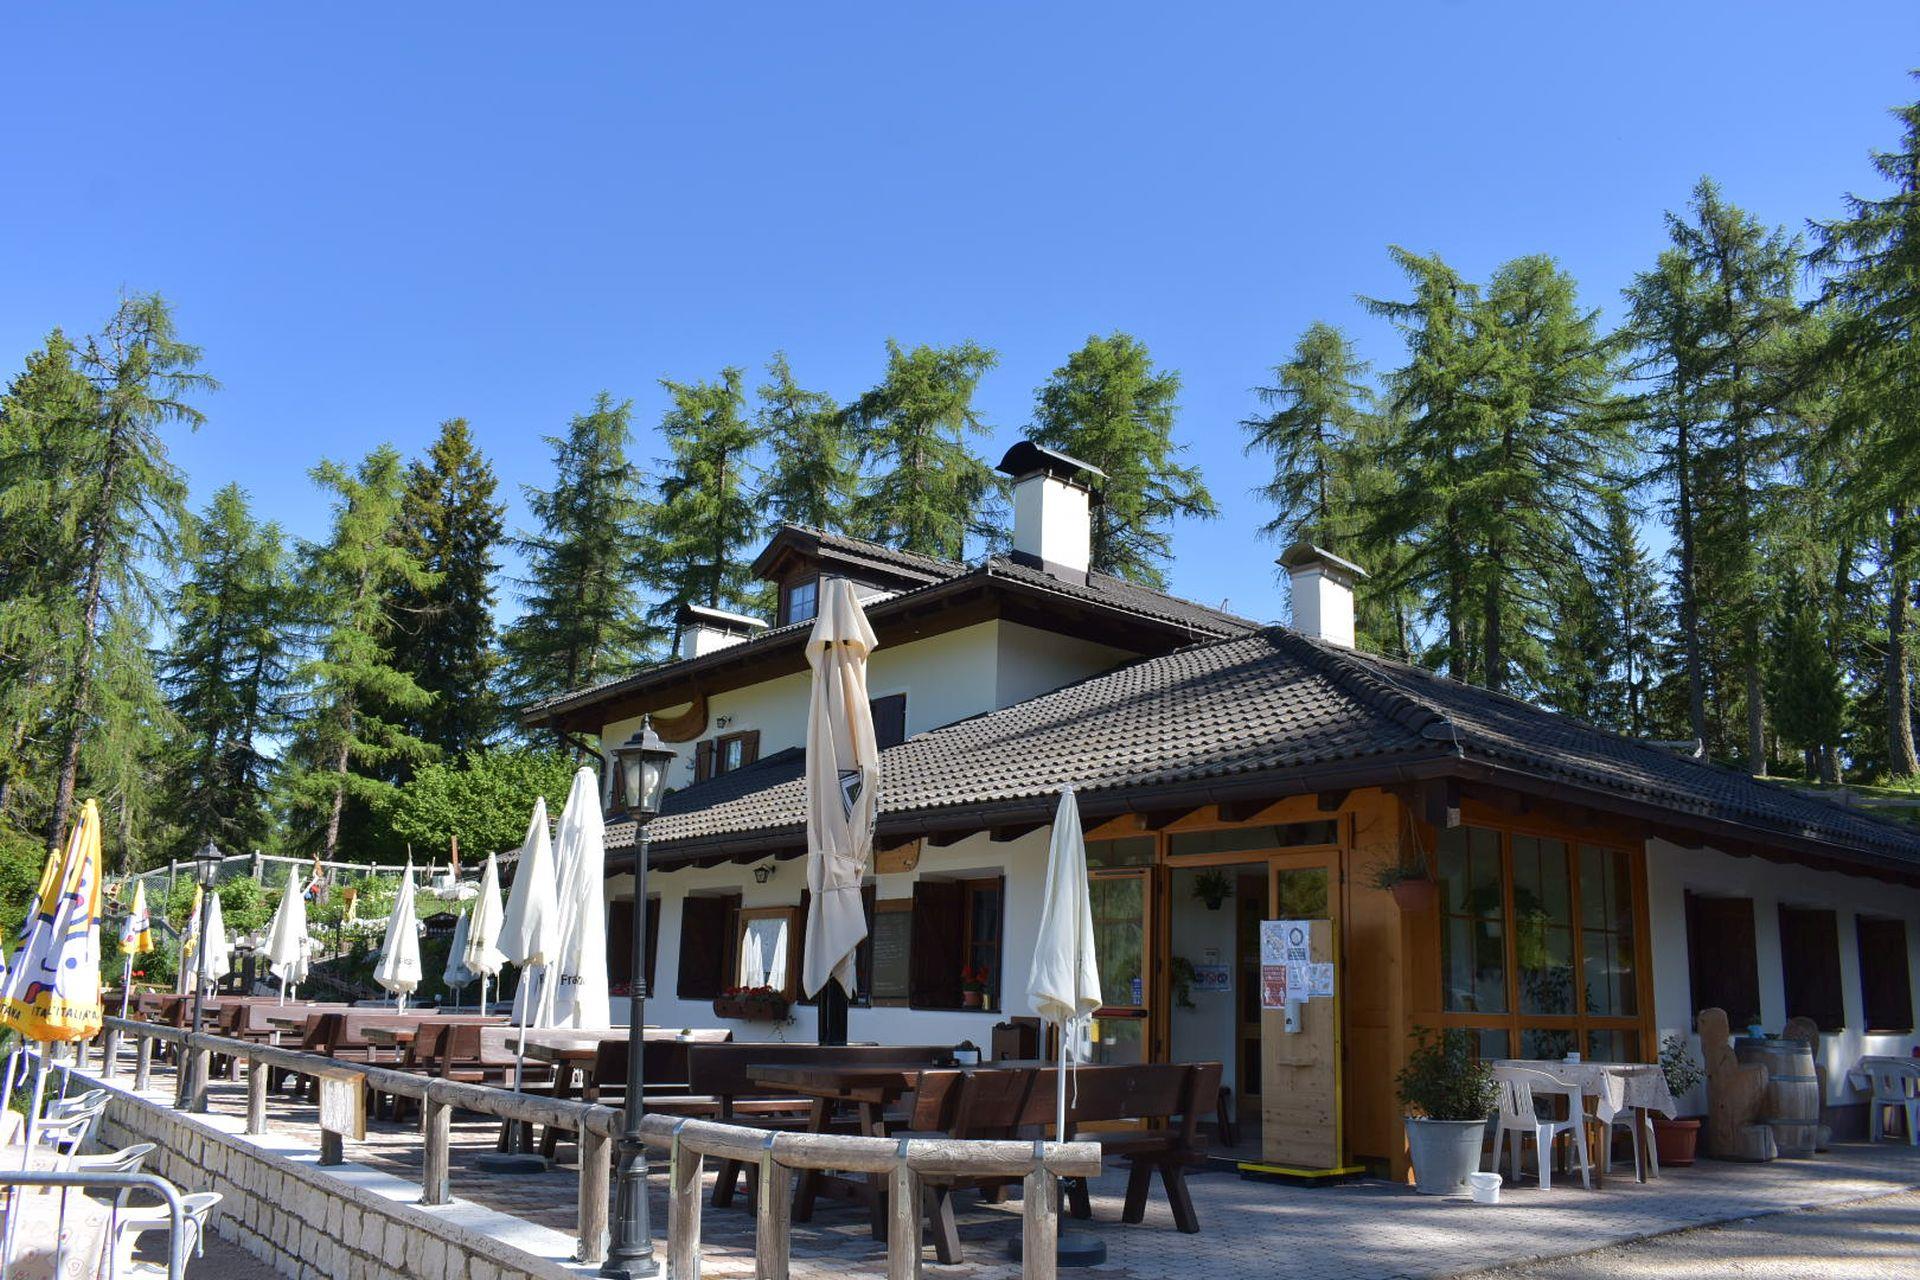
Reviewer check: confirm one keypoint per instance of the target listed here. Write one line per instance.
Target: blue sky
(373, 221)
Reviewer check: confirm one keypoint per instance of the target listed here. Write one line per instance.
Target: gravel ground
(1864, 1240)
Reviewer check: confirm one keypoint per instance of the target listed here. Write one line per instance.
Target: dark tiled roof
(880, 553)
(1271, 706)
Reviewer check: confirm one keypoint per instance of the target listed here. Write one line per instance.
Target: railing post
(436, 1123)
(332, 1149)
(773, 1210)
(685, 1168)
(596, 1185)
(903, 1220)
(1039, 1221)
(109, 1051)
(256, 1096)
(199, 1066)
(142, 1064)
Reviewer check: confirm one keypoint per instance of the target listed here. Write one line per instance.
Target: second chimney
(1052, 509)
(702, 630)
(1322, 592)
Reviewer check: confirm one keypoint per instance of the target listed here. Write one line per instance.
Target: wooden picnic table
(572, 1052)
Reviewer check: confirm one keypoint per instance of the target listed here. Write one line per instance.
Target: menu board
(892, 951)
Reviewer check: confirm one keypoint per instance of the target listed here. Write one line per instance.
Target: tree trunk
(1756, 702)
(339, 792)
(81, 694)
(1689, 605)
(1493, 668)
(1901, 761)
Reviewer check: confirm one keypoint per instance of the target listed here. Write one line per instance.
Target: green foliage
(484, 800)
(1442, 1080)
(226, 674)
(703, 521)
(22, 857)
(1316, 431)
(443, 630)
(812, 471)
(1679, 1066)
(1109, 406)
(926, 491)
(1804, 689)
(581, 618)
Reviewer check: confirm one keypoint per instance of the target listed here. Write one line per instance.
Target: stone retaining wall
(306, 1223)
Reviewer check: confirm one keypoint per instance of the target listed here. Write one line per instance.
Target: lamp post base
(510, 1162)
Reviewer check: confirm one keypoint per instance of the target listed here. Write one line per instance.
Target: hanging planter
(1412, 889)
(1212, 888)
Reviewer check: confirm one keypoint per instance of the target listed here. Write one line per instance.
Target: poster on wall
(1287, 968)
(1212, 977)
(1273, 986)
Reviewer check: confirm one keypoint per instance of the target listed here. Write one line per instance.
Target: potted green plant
(1213, 888)
(1675, 1141)
(1407, 880)
(1448, 1094)
(1181, 976)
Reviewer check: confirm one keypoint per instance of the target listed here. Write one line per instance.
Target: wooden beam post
(256, 1096)
(773, 1211)
(685, 1169)
(903, 1220)
(1039, 1224)
(596, 1185)
(436, 1127)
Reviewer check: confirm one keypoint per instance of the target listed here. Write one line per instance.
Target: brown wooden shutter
(1886, 988)
(749, 747)
(653, 944)
(1720, 952)
(890, 720)
(705, 942)
(939, 944)
(1810, 966)
(703, 761)
(620, 941)
(863, 954)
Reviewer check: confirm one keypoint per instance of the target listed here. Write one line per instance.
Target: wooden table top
(868, 1081)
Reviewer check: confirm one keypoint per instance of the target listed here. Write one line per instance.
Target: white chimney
(703, 630)
(1322, 592)
(1052, 509)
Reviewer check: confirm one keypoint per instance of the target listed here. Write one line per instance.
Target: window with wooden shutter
(735, 750)
(1810, 966)
(620, 943)
(653, 944)
(939, 944)
(1720, 954)
(707, 926)
(703, 760)
(1886, 988)
(889, 720)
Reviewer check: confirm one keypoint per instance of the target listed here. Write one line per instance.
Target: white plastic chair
(1895, 1085)
(1519, 1119)
(68, 1133)
(1621, 1116)
(79, 1102)
(134, 1222)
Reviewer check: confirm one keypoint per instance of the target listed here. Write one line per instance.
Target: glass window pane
(1606, 936)
(1543, 1042)
(1119, 938)
(1613, 1046)
(1543, 925)
(1492, 1044)
(1239, 839)
(1473, 961)
(1119, 1040)
(1132, 851)
(1302, 894)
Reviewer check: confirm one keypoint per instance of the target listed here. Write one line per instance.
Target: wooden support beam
(1160, 819)
(941, 839)
(1330, 801)
(1001, 835)
(1245, 810)
(1440, 802)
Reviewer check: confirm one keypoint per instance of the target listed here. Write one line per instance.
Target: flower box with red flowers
(752, 1004)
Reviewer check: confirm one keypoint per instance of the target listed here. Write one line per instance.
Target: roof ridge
(900, 552)
(1373, 687)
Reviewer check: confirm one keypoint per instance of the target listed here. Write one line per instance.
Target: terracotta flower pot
(1675, 1141)
(970, 999)
(1414, 896)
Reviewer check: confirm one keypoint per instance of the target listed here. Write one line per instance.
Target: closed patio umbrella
(398, 968)
(136, 939)
(1064, 984)
(579, 996)
(287, 936)
(483, 958)
(456, 975)
(529, 938)
(216, 953)
(843, 794)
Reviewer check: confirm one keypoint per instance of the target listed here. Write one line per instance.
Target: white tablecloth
(1859, 1078)
(1618, 1085)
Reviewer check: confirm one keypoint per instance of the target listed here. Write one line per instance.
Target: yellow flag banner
(51, 989)
(136, 935)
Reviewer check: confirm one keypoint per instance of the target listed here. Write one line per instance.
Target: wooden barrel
(1791, 1107)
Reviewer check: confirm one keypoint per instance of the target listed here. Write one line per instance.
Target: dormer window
(799, 601)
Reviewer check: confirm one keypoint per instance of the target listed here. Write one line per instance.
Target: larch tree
(1320, 406)
(444, 631)
(1871, 258)
(812, 470)
(129, 498)
(351, 689)
(1110, 407)
(581, 617)
(1634, 616)
(926, 491)
(703, 520)
(225, 671)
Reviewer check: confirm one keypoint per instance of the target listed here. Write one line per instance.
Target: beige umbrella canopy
(843, 785)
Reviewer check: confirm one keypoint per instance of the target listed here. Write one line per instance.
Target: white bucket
(1485, 1187)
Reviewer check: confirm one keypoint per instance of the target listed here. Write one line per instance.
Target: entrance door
(1300, 1091)
(1122, 905)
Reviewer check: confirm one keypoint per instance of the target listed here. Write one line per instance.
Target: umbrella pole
(513, 1160)
(126, 985)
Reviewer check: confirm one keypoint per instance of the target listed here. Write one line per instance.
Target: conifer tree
(812, 472)
(580, 619)
(1804, 686)
(349, 682)
(927, 492)
(1321, 407)
(128, 497)
(226, 672)
(1634, 618)
(1110, 407)
(704, 518)
(444, 633)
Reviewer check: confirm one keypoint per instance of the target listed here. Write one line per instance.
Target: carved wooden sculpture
(1735, 1091)
(1808, 1033)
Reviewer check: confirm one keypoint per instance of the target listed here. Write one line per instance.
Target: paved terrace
(1366, 1229)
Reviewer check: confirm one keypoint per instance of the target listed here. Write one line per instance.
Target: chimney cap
(700, 615)
(1026, 458)
(1304, 555)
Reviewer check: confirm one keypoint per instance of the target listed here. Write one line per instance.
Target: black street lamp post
(643, 761)
(193, 1086)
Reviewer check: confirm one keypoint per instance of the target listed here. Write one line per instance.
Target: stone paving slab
(1365, 1229)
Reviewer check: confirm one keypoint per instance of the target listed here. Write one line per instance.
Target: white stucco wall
(1673, 871)
(1033, 662)
(1207, 1030)
(1023, 862)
